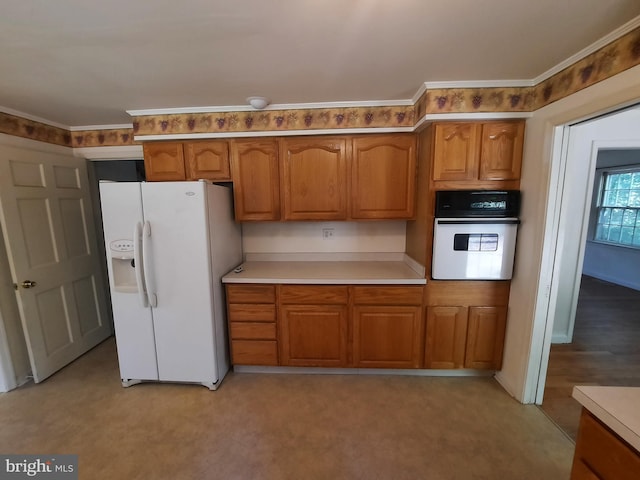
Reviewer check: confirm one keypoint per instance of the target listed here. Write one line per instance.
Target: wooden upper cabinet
(478, 151)
(313, 178)
(383, 177)
(208, 160)
(163, 161)
(256, 190)
(175, 161)
(501, 155)
(456, 151)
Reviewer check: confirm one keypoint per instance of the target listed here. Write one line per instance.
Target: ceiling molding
(101, 127)
(594, 47)
(435, 117)
(273, 133)
(276, 107)
(419, 93)
(479, 84)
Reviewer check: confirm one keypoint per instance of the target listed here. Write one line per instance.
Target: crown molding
(271, 107)
(437, 117)
(479, 84)
(419, 93)
(272, 133)
(101, 127)
(16, 113)
(594, 47)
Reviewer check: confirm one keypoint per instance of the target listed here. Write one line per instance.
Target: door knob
(28, 284)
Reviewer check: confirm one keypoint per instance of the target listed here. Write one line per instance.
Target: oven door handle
(476, 222)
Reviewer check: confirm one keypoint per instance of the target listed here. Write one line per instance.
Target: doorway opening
(588, 319)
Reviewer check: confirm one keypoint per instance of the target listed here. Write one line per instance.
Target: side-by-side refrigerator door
(180, 280)
(123, 223)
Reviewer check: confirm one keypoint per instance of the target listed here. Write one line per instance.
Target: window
(618, 217)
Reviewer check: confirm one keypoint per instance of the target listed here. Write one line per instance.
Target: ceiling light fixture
(258, 102)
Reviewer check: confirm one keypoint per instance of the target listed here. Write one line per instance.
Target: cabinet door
(604, 452)
(446, 337)
(256, 191)
(314, 178)
(485, 337)
(456, 151)
(501, 156)
(383, 177)
(313, 335)
(208, 160)
(163, 161)
(387, 336)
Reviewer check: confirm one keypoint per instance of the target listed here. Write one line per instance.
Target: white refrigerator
(167, 245)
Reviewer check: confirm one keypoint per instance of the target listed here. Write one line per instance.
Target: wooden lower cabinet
(251, 312)
(485, 337)
(387, 326)
(465, 337)
(446, 337)
(313, 325)
(386, 336)
(601, 454)
(313, 335)
(466, 322)
(368, 326)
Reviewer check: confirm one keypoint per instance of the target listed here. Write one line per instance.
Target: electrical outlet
(328, 233)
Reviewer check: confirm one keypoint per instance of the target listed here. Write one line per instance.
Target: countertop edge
(396, 272)
(605, 416)
(331, 281)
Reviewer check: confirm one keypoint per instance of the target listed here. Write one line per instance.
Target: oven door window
(475, 242)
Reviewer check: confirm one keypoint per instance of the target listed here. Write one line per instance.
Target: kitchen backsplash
(311, 237)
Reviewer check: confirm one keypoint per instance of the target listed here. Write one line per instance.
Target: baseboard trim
(362, 371)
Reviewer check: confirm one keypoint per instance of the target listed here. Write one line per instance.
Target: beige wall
(526, 325)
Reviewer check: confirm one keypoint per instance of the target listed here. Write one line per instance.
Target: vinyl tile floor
(282, 426)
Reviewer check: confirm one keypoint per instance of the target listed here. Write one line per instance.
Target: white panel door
(50, 238)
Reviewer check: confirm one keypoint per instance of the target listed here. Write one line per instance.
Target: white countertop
(327, 272)
(616, 407)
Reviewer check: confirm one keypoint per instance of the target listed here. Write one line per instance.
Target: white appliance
(474, 235)
(168, 244)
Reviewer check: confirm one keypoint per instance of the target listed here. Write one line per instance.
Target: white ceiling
(83, 62)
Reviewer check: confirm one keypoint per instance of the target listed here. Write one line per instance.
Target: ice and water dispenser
(123, 266)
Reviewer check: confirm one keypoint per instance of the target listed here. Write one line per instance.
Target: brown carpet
(272, 426)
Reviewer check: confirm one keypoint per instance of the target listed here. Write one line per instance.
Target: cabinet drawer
(314, 294)
(254, 352)
(387, 295)
(252, 331)
(251, 293)
(604, 452)
(254, 312)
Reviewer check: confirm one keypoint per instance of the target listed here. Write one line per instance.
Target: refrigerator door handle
(147, 265)
(139, 263)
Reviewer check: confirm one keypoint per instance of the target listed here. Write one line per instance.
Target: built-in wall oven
(475, 234)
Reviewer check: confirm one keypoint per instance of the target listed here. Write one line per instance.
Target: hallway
(605, 349)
